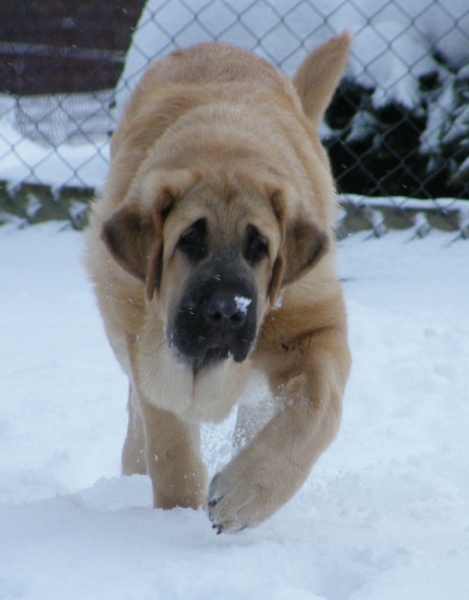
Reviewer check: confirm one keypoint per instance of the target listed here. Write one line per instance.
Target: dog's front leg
(309, 384)
(172, 453)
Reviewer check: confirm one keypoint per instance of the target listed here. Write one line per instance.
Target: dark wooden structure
(60, 46)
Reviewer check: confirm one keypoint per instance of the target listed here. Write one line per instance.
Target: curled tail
(319, 74)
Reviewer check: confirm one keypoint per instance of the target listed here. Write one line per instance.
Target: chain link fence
(397, 130)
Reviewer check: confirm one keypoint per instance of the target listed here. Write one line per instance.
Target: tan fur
(215, 132)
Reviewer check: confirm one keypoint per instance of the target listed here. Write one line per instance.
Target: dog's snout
(225, 311)
(216, 320)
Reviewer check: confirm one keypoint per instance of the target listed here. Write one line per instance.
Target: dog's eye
(256, 246)
(194, 242)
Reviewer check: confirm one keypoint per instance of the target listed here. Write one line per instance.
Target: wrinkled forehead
(228, 209)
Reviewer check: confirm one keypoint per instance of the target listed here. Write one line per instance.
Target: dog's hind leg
(133, 453)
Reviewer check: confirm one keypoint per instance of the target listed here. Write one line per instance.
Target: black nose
(225, 311)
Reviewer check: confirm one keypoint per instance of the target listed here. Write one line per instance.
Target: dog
(211, 251)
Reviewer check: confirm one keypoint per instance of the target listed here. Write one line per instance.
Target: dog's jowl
(212, 255)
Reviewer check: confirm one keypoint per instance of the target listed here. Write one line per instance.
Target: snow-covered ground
(383, 516)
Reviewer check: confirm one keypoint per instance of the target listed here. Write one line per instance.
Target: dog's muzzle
(214, 321)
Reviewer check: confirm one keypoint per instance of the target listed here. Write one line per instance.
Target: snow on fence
(397, 129)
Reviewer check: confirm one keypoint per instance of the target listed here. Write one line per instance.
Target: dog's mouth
(213, 355)
(207, 350)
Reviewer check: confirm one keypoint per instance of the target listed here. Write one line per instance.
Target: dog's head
(215, 251)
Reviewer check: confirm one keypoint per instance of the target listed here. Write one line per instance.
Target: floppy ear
(134, 234)
(319, 75)
(303, 244)
(130, 237)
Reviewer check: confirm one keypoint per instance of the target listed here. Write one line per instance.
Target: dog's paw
(238, 499)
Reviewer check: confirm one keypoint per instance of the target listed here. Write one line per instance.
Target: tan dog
(212, 254)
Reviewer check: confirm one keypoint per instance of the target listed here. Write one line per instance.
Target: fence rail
(397, 130)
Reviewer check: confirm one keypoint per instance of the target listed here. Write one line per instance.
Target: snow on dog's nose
(225, 311)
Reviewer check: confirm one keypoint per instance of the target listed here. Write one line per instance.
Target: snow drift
(383, 516)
